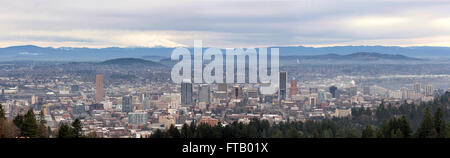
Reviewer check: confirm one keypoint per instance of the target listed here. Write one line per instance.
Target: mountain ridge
(129, 61)
(32, 52)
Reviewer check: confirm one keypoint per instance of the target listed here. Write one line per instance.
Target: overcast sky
(224, 23)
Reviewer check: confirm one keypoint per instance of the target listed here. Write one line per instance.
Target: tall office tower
(186, 92)
(366, 90)
(353, 91)
(404, 92)
(283, 80)
(429, 90)
(237, 92)
(127, 103)
(312, 101)
(204, 93)
(333, 91)
(321, 97)
(222, 87)
(417, 87)
(293, 89)
(99, 88)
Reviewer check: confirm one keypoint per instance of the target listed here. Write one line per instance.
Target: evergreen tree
(185, 132)
(77, 128)
(368, 132)
(43, 131)
(30, 127)
(293, 133)
(379, 133)
(426, 129)
(173, 132)
(65, 131)
(404, 127)
(439, 123)
(18, 121)
(158, 134)
(397, 133)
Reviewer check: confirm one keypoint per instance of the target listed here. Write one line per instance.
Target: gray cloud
(224, 23)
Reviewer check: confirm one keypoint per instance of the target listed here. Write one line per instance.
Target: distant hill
(35, 53)
(130, 61)
(354, 58)
(360, 56)
(153, 58)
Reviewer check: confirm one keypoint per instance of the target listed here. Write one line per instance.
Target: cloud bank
(224, 23)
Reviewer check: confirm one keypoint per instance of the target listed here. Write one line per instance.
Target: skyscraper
(99, 88)
(127, 103)
(429, 90)
(186, 92)
(222, 87)
(333, 91)
(237, 92)
(321, 97)
(283, 80)
(204, 93)
(353, 91)
(417, 87)
(293, 89)
(404, 91)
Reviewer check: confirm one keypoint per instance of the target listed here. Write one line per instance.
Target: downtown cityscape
(135, 97)
(249, 70)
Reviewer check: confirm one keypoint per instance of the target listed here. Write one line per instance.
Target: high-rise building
(99, 88)
(333, 91)
(283, 80)
(222, 87)
(127, 103)
(293, 90)
(321, 97)
(429, 90)
(353, 91)
(417, 87)
(237, 92)
(204, 93)
(404, 91)
(186, 92)
(312, 101)
(137, 118)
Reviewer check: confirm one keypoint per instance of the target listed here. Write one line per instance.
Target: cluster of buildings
(137, 110)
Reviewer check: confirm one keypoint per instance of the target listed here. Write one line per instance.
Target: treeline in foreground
(428, 121)
(28, 126)
(431, 127)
